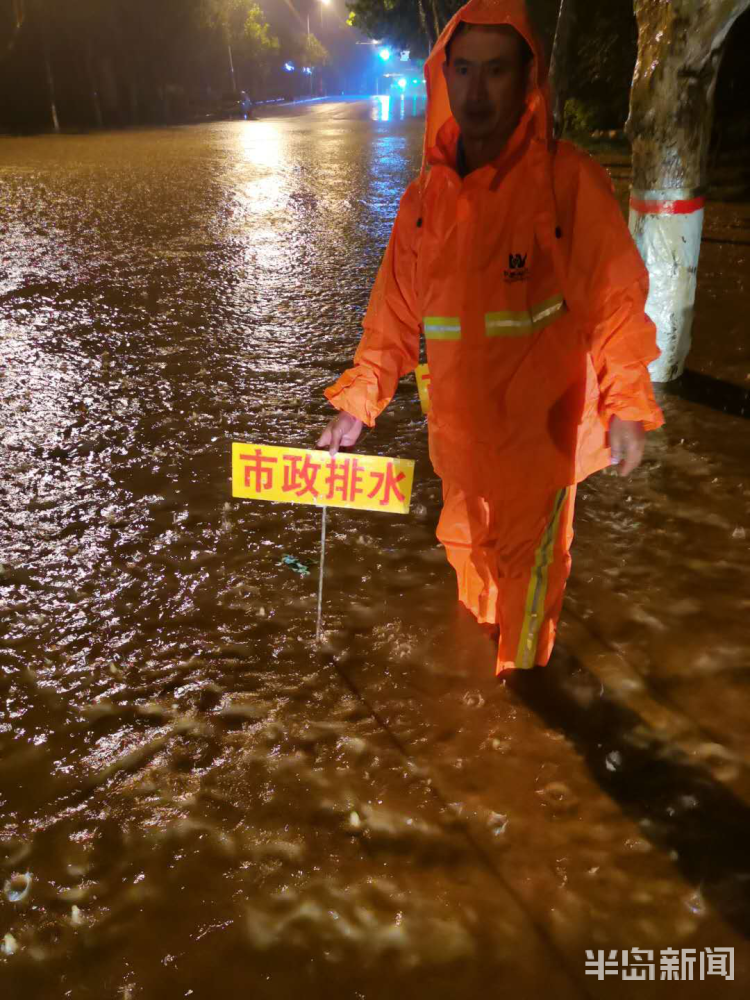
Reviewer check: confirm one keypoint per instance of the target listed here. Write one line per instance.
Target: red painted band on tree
(680, 207)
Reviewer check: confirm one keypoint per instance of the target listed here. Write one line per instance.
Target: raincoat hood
(441, 130)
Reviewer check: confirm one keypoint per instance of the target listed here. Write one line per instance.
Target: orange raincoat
(530, 293)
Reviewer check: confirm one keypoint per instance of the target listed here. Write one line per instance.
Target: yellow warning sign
(297, 475)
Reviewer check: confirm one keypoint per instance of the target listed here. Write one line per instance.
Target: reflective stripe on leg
(537, 592)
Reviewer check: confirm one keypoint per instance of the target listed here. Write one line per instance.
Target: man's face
(486, 80)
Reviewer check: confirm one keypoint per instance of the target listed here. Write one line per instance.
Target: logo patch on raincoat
(517, 270)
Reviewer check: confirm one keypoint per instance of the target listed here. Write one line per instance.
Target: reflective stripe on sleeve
(442, 328)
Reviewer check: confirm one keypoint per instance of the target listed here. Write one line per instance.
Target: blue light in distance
(402, 83)
(289, 67)
(385, 54)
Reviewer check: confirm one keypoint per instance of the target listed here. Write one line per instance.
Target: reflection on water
(261, 148)
(260, 145)
(203, 802)
(381, 110)
(398, 107)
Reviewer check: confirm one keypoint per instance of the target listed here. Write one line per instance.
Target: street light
(385, 54)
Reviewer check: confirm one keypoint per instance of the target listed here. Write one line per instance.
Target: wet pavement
(195, 800)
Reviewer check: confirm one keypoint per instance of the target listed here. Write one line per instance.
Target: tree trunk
(442, 15)
(425, 27)
(134, 102)
(94, 88)
(560, 63)
(231, 69)
(166, 103)
(436, 18)
(19, 14)
(680, 45)
(42, 19)
(51, 89)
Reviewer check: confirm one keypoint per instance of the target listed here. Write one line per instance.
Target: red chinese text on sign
(344, 480)
(300, 475)
(387, 482)
(262, 467)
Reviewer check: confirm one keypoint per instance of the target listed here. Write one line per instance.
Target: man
(510, 254)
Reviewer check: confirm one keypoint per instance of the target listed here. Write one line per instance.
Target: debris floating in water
(9, 945)
(296, 565)
(498, 823)
(17, 888)
(613, 760)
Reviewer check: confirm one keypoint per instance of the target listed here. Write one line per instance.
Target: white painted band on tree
(666, 194)
(669, 242)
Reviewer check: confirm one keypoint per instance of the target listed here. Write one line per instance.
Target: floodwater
(195, 800)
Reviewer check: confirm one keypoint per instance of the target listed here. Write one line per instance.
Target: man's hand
(627, 439)
(342, 432)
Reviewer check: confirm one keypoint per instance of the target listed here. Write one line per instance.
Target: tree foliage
(410, 24)
(313, 53)
(257, 40)
(416, 24)
(118, 62)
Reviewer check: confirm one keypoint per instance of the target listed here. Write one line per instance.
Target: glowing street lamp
(385, 54)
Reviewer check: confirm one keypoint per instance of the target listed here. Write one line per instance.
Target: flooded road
(195, 800)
